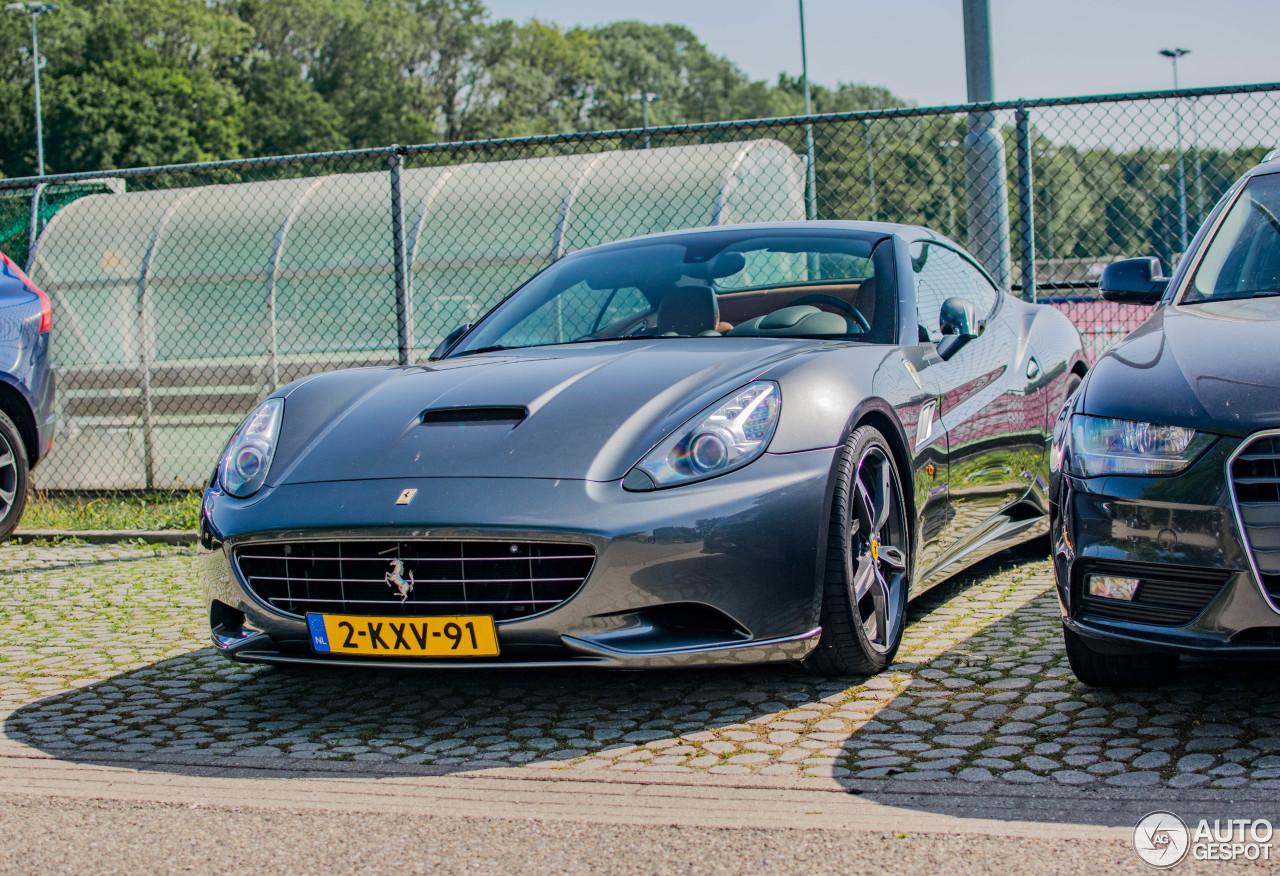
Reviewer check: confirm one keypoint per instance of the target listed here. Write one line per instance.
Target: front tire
(14, 477)
(1100, 669)
(868, 563)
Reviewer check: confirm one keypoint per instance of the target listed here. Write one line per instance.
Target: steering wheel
(838, 303)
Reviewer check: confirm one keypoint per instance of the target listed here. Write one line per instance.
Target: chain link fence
(184, 294)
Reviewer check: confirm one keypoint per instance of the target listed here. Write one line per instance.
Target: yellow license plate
(453, 636)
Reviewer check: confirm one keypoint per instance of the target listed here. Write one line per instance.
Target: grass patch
(176, 510)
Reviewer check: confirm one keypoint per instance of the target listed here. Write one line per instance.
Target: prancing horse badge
(406, 496)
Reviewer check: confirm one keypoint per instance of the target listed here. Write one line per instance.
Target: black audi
(1165, 466)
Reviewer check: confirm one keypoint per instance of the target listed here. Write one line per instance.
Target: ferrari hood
(1208, 366)
(588, 411)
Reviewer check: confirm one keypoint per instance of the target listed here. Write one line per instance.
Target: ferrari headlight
(724, 437)
(1102, 446)
(248, 455)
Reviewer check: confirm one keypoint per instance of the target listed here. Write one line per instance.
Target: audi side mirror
(1133, 281)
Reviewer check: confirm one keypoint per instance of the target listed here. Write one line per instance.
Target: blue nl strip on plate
(319, 638)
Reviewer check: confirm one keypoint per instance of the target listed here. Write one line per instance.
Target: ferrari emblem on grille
(406, 496)
(395, 578)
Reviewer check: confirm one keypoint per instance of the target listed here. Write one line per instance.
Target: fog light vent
(1113, 587)
(1160, 595)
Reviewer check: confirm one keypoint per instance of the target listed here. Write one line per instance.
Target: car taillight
(46, 306)
(46, 309)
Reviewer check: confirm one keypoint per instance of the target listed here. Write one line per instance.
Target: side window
(940, 274)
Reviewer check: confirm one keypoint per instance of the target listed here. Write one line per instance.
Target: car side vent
(1272, 585)
(474, 416)
(1163, 597)
(1255, 485)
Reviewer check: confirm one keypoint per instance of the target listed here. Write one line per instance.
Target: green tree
(693, 84)
(846, 97)
(127, 82)
(367, 68)
(284, 114)
(132, 112)
(539, 80)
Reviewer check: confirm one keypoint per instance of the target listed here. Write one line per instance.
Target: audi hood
(1209, 366)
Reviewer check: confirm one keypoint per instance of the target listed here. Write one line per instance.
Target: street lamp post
(811, 182)
(35, 10)
(947, 146)
(645, 98)
(1173, 55)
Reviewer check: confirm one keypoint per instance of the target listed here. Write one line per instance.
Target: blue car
(26, 388)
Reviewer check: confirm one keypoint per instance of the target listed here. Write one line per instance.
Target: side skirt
(997, 532)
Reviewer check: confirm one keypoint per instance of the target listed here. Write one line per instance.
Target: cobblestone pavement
(103, 651)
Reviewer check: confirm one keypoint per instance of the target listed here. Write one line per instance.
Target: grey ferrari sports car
(730, 445)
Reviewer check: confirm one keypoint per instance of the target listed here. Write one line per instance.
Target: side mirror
(449, 340)
(958, 320)
(1133, 281)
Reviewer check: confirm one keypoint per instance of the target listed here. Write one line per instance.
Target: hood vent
(474, 416)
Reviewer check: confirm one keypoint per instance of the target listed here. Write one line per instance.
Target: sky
(915, 48)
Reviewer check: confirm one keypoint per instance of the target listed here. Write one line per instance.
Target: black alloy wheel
(13, 477)
(868, 566)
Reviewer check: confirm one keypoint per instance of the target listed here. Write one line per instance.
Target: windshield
(741, 282)
(1243, 258)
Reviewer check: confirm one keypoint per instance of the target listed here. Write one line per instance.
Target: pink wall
(1101, 323)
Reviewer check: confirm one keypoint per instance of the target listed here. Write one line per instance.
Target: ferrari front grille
(504, 579)
(1255, 484)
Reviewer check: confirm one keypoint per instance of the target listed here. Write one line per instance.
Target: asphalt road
(109, 837)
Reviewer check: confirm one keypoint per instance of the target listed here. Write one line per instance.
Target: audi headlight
(247, 458)
(725, 436)
(1102, 446)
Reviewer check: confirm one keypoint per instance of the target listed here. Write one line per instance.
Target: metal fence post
(143, 327)
(871, 167)
(1026, 201)
(34, 231)
(404, 297)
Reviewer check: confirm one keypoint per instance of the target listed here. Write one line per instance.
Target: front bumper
(1180, 533)
(745, 545)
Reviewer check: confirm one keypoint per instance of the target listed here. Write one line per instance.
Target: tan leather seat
(688, 311)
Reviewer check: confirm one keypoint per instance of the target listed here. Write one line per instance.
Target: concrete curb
(108, 536)
(943, 806)
(507, 796)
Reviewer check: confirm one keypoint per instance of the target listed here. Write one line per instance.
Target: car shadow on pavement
(980, 698)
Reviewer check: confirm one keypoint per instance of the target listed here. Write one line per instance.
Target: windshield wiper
(495, 347)
(492, 348)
